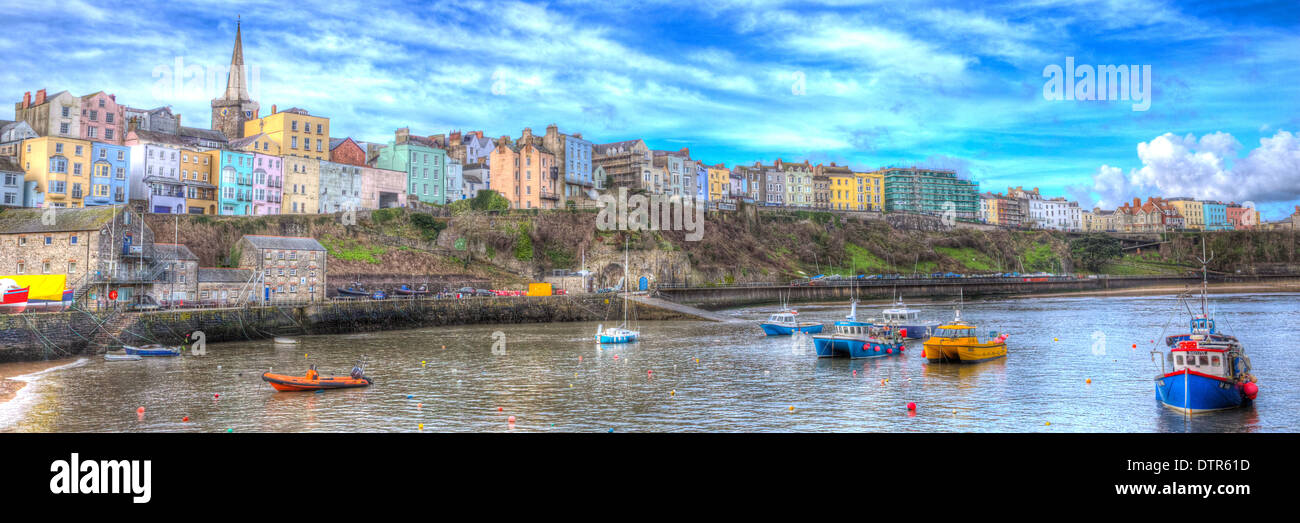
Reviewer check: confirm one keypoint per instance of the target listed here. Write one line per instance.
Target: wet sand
(1214, 288)
(10, 387)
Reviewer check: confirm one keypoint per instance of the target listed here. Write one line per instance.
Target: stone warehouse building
(178, 283)
(224, 286)
(289, 268)
(99, 249)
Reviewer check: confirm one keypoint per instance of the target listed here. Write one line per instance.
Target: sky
(869, 84)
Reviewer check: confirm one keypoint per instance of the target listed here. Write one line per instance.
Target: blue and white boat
(620, 334)
(1210, 369)
(858, 339)
(152, 351)
(786, 322)
(909, 321)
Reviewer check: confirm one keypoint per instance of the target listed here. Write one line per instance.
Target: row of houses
(1171, 214)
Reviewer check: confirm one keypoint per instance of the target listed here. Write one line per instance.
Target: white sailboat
(621, 333)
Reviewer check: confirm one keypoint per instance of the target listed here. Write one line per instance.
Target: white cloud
(1207, 168)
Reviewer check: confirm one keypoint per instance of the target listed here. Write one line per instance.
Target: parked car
(144, 303)
(484, 292)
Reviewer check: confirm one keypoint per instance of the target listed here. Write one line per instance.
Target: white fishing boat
(121, 356)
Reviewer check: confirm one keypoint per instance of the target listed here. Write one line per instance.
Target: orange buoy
(186, 418)
(1089, 380)
(139, 410)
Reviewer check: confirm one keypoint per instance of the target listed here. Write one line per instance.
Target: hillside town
(82, 154)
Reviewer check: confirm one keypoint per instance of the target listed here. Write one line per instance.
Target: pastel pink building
(268, 182)
(102, 120)
(382, 188)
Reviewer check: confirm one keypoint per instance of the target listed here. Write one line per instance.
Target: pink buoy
(216, 396)
(615, 357)
(511, 420)
(139, 410)
(889, 351)
(1250, 390)
(911, 405)
(855, 373)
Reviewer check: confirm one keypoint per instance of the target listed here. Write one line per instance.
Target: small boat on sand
(314, 381)
(121, 356)
(407, 291)
(152, 351)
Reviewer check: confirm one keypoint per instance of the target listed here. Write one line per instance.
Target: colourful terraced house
(108, 175)
(60, 167)
(234, 182)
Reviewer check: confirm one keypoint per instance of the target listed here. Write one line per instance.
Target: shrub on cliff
(1094, 250)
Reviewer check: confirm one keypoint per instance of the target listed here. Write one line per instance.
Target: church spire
(236, 85)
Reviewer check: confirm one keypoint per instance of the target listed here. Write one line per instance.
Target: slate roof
(17, 221)
(223, 275)
(298, 243)
(173, 251)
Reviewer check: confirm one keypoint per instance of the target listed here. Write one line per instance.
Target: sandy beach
(10, 387)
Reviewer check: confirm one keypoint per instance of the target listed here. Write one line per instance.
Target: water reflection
(691, 376)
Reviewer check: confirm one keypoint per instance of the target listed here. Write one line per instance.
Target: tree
(1092, 251)
(489, 200)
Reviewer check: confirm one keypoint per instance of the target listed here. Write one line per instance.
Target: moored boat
(785, 322)
(1210, 369)
(859, 339)
(149, 351)
(312, 380)
(121, 356)
(620, 334)
(356, 289)
(281, 340)
(908, 320)
(959, 342)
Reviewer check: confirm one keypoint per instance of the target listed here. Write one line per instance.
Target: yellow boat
(958, 342)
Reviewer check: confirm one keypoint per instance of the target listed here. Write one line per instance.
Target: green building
(425, 167)
(929, 191)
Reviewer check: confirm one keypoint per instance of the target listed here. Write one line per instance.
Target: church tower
(234, 107)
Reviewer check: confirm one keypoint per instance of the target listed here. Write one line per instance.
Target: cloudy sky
(869, 84)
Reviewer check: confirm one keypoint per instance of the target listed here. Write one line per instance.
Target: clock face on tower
(225, 112)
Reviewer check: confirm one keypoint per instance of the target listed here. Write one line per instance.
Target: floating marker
(1047, 423)
(697, 360)
(408, 396)
(855, 373)
(421, 426)
(419, 405)
(186, 418)
(216, 396)
(139, 410)
(1056, 339)
(1089, 380)
(510, 420)
(579, 358)
(792, 408)
(911, 405)
(230, 430)
(611, 431)
(616, 356)
(1135, 345)
(499, 409)
(672, 392)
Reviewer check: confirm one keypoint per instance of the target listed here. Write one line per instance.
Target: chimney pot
(27, 99)
(272, 108)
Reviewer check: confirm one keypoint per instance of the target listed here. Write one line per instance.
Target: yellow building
(844, 190)
(295, 131)
(719, 182)
(301, 186)
(1193, 213)
(60, 167)
(991, 216)
(871, 191)
(200, 184)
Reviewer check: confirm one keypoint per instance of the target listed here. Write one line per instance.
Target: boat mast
(627, 295)
(1205, 286)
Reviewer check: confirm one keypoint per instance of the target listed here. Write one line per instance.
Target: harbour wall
(715, 298)
(37, 336)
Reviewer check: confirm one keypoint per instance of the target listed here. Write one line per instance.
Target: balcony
(549, 195)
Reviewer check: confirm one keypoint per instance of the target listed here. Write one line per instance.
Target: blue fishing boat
(786, 322)
(859, 339)
(152, 351)
(909, 321)
(1210, 369)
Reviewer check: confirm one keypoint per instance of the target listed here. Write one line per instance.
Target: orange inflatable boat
(314, 381)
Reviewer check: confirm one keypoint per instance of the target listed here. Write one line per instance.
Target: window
(72, 267)
(21, 270)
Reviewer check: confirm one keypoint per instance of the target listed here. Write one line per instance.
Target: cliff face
(513, 248)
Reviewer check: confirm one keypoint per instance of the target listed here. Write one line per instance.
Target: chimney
(178, 121)
(40, 97)
(577, 135)
(112, 97)
(27, 99)
(403, 135)
(272, 108)
(528, 133)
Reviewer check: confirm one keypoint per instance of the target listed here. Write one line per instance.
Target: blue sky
(869, 84)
